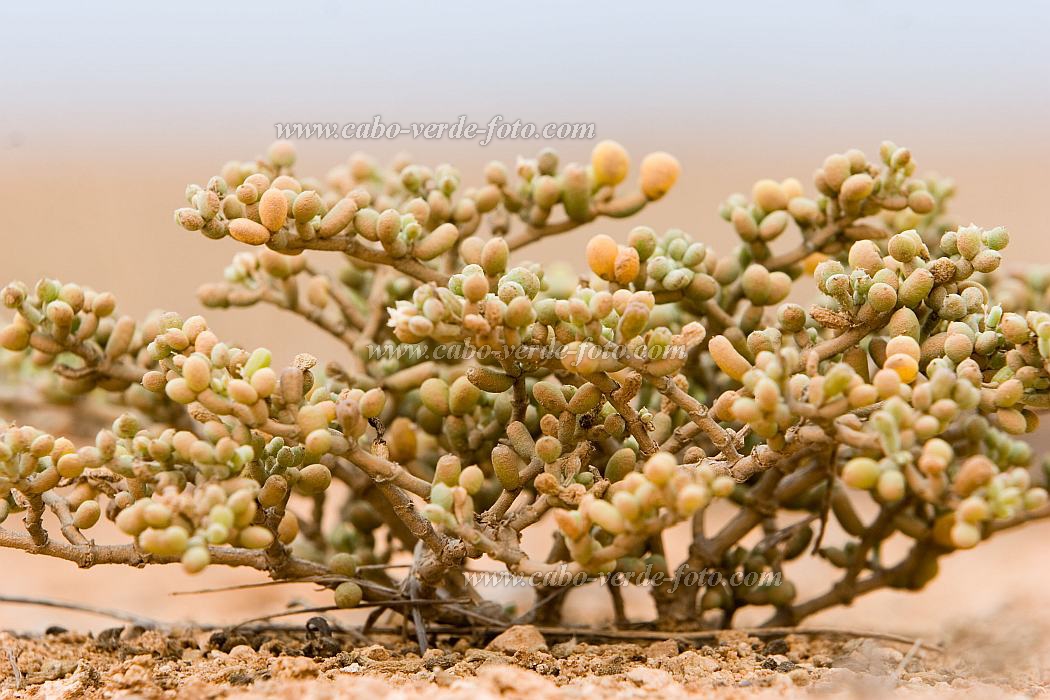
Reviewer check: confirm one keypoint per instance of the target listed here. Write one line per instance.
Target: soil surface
(520, 663)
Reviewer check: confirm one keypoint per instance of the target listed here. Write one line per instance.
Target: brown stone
(519, 638)
(662, 650)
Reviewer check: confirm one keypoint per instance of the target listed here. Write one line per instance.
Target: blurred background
(106, 113)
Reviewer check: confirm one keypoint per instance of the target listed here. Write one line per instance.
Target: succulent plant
(480, 393)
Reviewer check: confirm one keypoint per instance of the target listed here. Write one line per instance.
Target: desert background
(106, 115)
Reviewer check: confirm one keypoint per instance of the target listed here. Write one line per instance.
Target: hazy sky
(202, 67)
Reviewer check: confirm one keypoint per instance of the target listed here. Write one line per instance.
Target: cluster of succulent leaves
(481, 393)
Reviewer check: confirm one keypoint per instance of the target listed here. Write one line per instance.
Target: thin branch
(80, 607)
(531, 234)
(815, 354)
(682, 636)
(330, 608)
(408, 266)
(86, 556)
(60, 508)
(11, 659)
(385, 471)
(342, 299)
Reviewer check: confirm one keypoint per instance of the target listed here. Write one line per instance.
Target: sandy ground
(129, 662)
